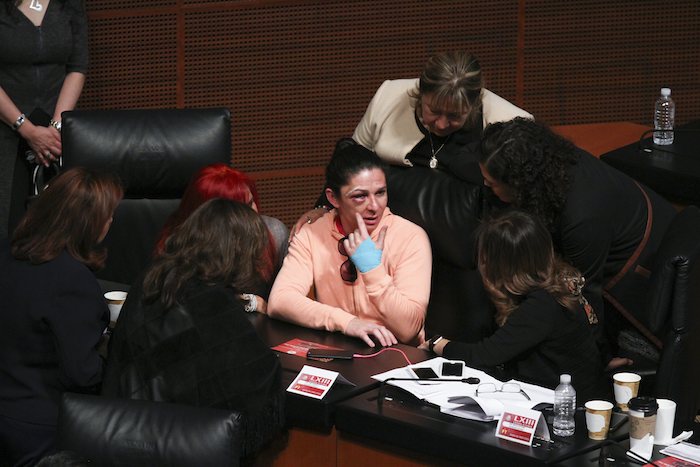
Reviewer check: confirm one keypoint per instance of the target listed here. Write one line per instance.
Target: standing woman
(43, 61)
(543, 327)
(53, 311)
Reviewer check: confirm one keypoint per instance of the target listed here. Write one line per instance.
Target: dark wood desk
(306, 412)
(612, 455)
(404, 431)
(672, 171)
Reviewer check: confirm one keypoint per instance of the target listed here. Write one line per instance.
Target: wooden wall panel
(600, 60)
(298, 74)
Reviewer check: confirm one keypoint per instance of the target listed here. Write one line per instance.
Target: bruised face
(441, 120)
(503, 191)
(366, 194)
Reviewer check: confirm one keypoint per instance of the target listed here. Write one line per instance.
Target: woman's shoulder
(540, 301)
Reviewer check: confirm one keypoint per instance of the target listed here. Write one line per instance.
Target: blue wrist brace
(367, 256)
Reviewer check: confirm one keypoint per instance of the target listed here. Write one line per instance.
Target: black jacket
(203, 352)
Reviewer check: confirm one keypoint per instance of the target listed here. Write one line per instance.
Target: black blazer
(53, 315)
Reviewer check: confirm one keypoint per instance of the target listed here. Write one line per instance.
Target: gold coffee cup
(625, 386)
(598, 415)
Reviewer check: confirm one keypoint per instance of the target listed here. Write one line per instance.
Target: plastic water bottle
(564, 407)
(664, 116)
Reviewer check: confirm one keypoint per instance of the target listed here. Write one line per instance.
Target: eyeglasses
(506, 388)
(348, 271)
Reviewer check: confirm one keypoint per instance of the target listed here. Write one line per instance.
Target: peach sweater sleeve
(289, 296)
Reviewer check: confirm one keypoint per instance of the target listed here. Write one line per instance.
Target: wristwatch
(433, 341)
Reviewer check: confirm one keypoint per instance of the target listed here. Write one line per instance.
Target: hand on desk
(364, 329)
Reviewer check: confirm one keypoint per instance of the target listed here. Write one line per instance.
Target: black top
(53, 315)
(35, 60)
(540, 341)
(603, 222)
(203, 352)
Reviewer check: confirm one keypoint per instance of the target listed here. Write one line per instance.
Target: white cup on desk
(115, 301)
(665, 417)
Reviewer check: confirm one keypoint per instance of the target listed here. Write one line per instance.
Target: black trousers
(23, 443)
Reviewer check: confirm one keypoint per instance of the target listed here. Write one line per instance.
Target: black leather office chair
(125, 432)
(155, 152)
(674, 315)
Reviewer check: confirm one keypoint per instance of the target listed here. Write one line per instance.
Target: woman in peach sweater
(369, 269)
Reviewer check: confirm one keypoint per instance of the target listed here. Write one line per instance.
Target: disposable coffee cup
(642, 416)
(625, 387)
(665, 417)
(115, 300)
(598, 415)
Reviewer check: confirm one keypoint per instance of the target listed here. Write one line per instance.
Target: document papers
(460, 399)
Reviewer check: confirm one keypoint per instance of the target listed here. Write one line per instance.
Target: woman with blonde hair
(544, 323)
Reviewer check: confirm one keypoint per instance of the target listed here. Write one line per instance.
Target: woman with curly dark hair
(542, 317)
(602, 221)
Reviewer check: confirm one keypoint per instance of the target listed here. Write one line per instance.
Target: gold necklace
(433, 159)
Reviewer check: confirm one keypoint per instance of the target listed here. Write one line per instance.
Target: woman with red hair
(222, 181)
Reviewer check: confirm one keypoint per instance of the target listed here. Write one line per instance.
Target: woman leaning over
(43, 61)
(602, 221)
(53, 311)
(183, 335)
(370, 269)
(543, 319)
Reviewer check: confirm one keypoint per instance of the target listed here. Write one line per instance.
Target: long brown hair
(70, 215)
(515, 257)
(221, 243)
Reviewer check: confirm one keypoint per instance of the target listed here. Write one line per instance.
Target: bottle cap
(566, 379)
(665, 92)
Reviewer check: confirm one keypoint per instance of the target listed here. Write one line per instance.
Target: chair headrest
(154, 151)
(110, 431)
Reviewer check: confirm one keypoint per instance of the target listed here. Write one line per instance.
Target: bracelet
(433, 341)
(19, 122)
(324, 207)
(252, 304)
(56, 125)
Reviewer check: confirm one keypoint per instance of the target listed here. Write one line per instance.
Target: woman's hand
(364, 329)
(368, 256)
(307, 218)
(44, 141)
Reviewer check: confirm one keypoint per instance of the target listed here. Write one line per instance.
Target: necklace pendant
(36, 6)
(433, 162)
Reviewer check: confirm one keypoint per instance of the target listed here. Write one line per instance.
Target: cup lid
(643, 404)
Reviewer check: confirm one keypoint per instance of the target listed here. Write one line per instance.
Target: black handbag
(39, 175)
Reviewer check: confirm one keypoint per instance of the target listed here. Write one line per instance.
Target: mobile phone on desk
(424, 372)
(334, 354)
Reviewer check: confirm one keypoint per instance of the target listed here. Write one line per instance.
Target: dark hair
(221, 243)
(534, 162)
(454, 79)
(515, 256)
(347, 161)
(69, 215)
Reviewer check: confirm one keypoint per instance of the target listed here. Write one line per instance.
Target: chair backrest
(125, 432)
(154, 152)
(674, 313)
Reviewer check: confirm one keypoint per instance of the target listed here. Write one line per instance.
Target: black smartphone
(330, 353)
(452, 369)
(424, 372)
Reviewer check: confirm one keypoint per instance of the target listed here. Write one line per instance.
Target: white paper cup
(115, 300)
(598, 415)
(665, 417)
(625, 386)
